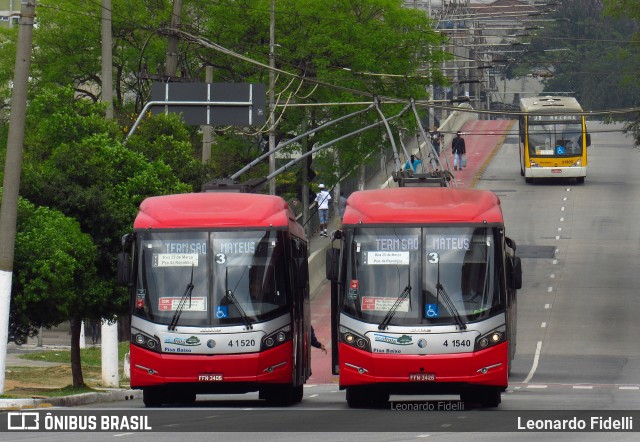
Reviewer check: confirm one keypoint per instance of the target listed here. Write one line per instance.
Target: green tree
(55, 277)
(75, 164)
(340, 51)
(587, 54)
(629, 10)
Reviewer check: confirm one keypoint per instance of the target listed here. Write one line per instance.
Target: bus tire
(283, 396)
(484, 398)
(528, 180)
(580, 180)
(357, 397)
(491, 398)
(367, 398)
(152, 397)
(183, 397)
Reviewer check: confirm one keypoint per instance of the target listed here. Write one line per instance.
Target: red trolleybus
(219, 298)
(424, 295)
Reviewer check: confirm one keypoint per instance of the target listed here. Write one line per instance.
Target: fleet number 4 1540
(458, 343)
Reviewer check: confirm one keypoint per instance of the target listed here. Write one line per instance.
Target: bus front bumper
(555, 172)
(212, 372)
(425, 373)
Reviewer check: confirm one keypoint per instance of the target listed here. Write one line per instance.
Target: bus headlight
(144, 340)
(276, 338)
(494, 337)
(354, 339)
(577, 163)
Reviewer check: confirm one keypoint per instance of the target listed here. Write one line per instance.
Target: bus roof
(216, 210)
(422, 205)
(549, 104)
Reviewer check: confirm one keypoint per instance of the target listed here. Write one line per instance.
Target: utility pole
(107, 59)
(207, 129)
(12, 168)
(171, 65)
(108, 332)
(272, 104)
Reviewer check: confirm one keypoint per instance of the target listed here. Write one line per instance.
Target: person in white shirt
(322, 198)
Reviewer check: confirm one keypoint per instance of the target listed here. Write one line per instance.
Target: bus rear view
(423, 292)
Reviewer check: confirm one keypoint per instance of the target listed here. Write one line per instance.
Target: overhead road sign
(215, 104)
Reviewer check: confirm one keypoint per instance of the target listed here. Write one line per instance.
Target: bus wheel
(379, 399)
(580, 180)
(485, 398)
(528, 180)
(491, 398)
(152, 397)
(357, 397)
(283, 396)
(183, 397)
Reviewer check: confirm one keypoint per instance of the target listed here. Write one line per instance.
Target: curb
(71, 401)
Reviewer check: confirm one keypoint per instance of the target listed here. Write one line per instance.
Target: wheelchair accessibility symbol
(222, 311)
(431, 311)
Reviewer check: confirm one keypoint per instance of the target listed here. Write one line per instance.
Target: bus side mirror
(588, 140)
(332, 264)
(510, 243)
(514, 272)
(124, 268)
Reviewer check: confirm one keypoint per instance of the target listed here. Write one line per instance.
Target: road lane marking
(534, 367)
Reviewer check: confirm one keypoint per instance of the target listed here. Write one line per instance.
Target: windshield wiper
(452, 308)
(229, 294)
(392, 311)
(394, 307)
(447, 302)
(183, 300)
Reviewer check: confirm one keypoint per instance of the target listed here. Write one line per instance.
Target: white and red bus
(219, 298)
(423, 295)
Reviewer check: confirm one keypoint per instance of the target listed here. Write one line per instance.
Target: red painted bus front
(267, 367)
(438, 370)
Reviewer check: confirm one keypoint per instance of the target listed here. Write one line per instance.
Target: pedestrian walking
(459, 151)
(323, 198)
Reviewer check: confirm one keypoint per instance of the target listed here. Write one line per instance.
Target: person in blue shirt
(413, 163)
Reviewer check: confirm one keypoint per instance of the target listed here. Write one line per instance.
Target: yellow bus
(553, 138)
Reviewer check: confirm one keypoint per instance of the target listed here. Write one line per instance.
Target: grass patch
(22, 392)
(52, 381)
(90, 356)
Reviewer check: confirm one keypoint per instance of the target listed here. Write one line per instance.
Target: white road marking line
(535, 363)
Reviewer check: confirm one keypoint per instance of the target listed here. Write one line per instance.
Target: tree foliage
(77, 164)
(587, 54)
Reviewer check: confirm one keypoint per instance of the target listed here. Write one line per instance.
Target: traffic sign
(216, 104)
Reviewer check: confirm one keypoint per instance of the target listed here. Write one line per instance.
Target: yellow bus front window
(555, 139)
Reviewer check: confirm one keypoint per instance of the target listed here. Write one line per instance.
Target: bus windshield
(433, 275)
(236, 277)
(555, 139)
